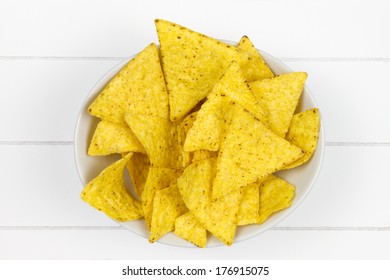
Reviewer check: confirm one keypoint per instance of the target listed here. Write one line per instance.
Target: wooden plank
(121, 244)
(44, 97)
(300, 28)
(43, 106)
(41, 188)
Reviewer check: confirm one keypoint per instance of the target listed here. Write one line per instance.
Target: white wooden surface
(53, 52)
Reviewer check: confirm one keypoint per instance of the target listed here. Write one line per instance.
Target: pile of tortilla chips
(202, 126)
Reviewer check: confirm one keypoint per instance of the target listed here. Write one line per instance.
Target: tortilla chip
(200, 155)
(195, 185)
(138, 167)
(249, 153)
(183, 129)
(167, 206)
(192, 64)
(108, 193)
(111, 138)
(221, 217)
(275, 195)
(304, 132)
(279, 98)
(158, 179)
(159, 137)
(139, 87)
(188, 228)
(210, 123)
(248, 212)
(257, 69)
(218, 217)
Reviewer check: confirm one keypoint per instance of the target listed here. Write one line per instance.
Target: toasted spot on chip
(304, 132)
(167, 206)
(160, 139)
(108, 193)
(220, 216)
(248, 212)
(210, 123)
(138, 167)
(279, 97)
(257, 69)
(111, 138)
(249, 153)
(158, 179)
(139, 87)
(275, 195)
(188, 228)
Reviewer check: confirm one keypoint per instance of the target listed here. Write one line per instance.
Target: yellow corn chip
(210, 123)
(275, 195)
(188, 228)
(200, 155)
(139, 88)
(195, 185)
(304, 132)
(111, 138)
(249, 153)
(167, 206)
(183, 129)
(257, 69)
(192, 64)
(279, 98)
(160, 139)
(108, 193)
(220, 216)
(158, 179)
(138, 167)
(248, 213)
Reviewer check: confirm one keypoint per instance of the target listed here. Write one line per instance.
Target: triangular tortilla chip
(249, 153)
(257, 68)
(108, 193)
(192, 64)
(183, 129)
(248, 212)
(160, 139)
(139, 87)
(275, 195)
(138, 167)
(304, 132)
(279, 98)
(111, 138)
(210, 123)
(220, 216)
(167, 206)
(188, 228)
(158, 178)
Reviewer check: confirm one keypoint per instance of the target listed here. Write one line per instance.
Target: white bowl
(302, 177)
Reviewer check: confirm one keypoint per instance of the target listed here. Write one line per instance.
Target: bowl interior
(302, 177)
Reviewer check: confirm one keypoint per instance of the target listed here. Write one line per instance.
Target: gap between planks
(119, 58)
(71, 143)
(320, 228)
